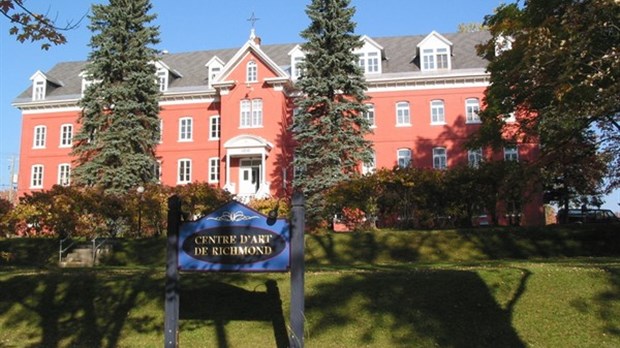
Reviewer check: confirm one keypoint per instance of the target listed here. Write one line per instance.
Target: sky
(193, 25)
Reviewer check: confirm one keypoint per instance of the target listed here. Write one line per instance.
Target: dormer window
(251, 72)
(164, 75)
(435, 59)
(38, 92)
(369, 62)
(162, 79)
(214, 68)
(369, 56)
(297, 58)
(434, 53)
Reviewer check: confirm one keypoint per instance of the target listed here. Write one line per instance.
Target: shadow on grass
(79, 308)
(428, 308)
(204, 299)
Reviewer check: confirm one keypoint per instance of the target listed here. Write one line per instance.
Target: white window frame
(475, 157)
(369, 62)
(472, 108)
(66, 135)
(215, 127)
(370, 167)
(64, 174)
(369, 115)
(403, 114)
(186, 132)
(511, 153)
(435, 58)
(251, 113)
(438, 112)
(214, 170)
(162, 79)
(39, 138)
(403, 157)
(440, 158)
(184, 171)
(36, 176)
(296, 66)
(38, 89)
(251, 75)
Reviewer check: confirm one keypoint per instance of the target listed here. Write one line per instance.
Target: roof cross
(253, 19)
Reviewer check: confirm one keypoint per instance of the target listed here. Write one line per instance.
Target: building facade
(226, 114)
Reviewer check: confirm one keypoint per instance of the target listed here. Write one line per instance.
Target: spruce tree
(329, 128)
(119, 123)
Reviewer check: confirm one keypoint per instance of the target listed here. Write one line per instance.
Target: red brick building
(225, 114)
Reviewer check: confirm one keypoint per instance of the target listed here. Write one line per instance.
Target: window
(437, 112)
(440, 158)
(402, 114)
(369, 167)
(369, 62)
(36, 176)
(404, 158)
(64, 174)
(251, 113)
(185, 129)
(66, 135)
(474, 157)
(435, 59)
(38, 92)
(369, 115)
(39, 137)
(185, 171)
(251, 72)
(214, 127)
(214, 169)
(472, 108)
(511, 153)
(297, 70)
(162, 79)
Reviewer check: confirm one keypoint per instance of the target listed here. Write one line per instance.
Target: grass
(478, 288)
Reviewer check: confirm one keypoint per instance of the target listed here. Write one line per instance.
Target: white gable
(435, 52)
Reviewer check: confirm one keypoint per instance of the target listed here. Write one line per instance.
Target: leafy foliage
(330, 128)
(556, 64)
(33, 26)
(92, 212)
(119, 121)
(428, 198)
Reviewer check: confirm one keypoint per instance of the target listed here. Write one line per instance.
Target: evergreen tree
(119, 119)
(330, 127)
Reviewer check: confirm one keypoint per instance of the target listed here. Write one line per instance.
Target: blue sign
(234, 238)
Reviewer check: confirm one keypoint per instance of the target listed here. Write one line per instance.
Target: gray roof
(399, 57)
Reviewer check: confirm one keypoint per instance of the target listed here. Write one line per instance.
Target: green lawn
(481, 288)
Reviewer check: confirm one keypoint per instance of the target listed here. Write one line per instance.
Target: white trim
(189, 172)
(181, 134)
(43, 140)
(62, 133)
(40, 177)
(59, 180)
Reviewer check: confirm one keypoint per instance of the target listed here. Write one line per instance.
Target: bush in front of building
(428, 198)
(74, 211)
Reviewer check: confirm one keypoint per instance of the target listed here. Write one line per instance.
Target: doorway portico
(247, 155)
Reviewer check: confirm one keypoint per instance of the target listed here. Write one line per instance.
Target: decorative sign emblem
(234, 238)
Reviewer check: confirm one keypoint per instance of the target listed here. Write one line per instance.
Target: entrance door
(249, 176)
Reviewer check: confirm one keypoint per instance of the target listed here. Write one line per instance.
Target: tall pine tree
(115, 147)
(330, 127)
